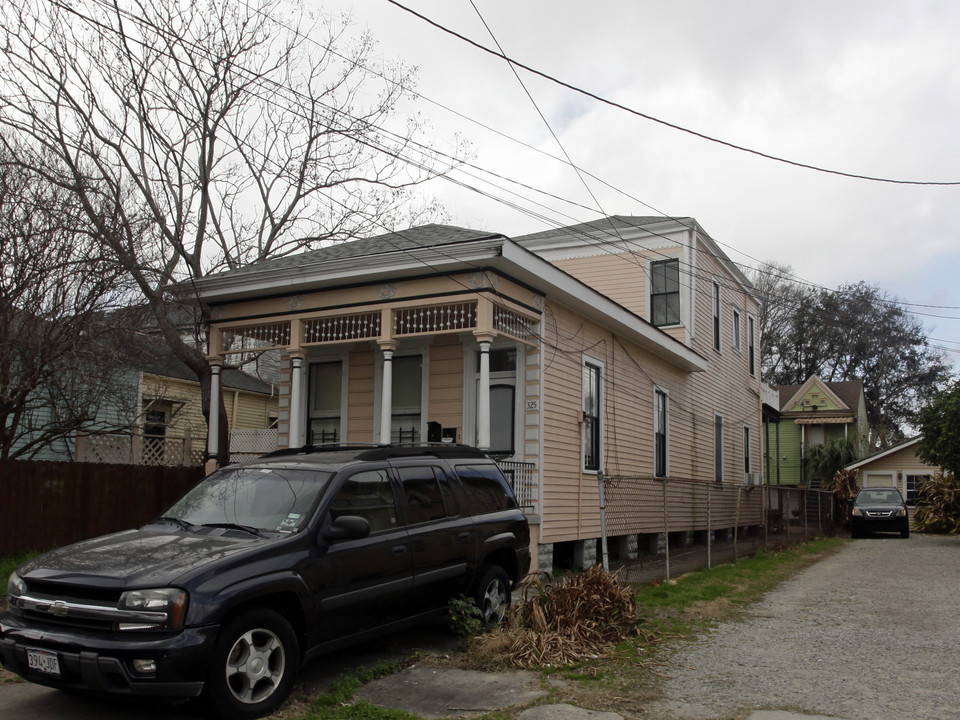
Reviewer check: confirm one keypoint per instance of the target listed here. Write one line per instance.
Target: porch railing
(522, 478)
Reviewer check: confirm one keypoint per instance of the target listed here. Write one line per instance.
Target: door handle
(398, 549)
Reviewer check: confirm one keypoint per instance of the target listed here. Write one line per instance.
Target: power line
(666, 123)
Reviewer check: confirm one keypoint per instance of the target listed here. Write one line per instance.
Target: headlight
(153, 609)
(857, 512)
(16, 586)
(901, 512)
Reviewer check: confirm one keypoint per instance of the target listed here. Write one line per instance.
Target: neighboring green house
(813, 414)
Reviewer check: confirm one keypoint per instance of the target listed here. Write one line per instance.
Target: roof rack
(377, 451)
(324, 447)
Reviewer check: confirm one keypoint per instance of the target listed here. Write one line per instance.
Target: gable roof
(844, 392)
(883, 453)
(156, 358)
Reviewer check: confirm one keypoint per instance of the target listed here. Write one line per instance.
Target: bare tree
(204, 135)
(59, 360)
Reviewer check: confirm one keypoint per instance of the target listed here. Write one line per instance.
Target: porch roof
(440, 250)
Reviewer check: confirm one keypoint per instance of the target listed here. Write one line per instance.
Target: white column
(386, 397)
(296, 401)
(213, 418)
(483, 397)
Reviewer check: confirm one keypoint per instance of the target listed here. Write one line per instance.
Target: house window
(716, 316)
(407, 391)
(912, 482)
(660, 434)
(325, 391)
(591, 416)
(718, 448)
(736, 330)
(665, 292)
(751, 343)
(746, 450)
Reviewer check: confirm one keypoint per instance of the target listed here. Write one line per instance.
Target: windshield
(269, 499)
(879, 497)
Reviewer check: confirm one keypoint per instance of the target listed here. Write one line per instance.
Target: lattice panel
(513, 324)
(111, 449)
(435, 318)
(265, 335)
(358, 326)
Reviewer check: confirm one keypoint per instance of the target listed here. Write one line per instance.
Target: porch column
(386, 396)
(296, 401)
(213, 417)
(483, 397)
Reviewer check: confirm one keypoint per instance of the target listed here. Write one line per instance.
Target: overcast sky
(868, 87)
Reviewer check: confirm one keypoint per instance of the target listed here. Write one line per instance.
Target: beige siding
(446, 383)
(622, 278)
(570, 508)
(361, 394)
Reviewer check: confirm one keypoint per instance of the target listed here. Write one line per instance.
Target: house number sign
(533, 405)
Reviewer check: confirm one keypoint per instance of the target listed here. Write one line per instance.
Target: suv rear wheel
(256, 660)
(493, 595)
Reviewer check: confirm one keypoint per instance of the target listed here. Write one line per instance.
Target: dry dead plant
(561, 622)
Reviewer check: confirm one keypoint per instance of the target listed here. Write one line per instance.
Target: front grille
(63, 599)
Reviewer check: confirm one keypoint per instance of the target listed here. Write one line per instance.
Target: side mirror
(347, 527)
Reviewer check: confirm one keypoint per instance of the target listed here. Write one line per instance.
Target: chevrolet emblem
(59, 608)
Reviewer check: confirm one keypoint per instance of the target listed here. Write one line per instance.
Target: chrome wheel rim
(255, 666)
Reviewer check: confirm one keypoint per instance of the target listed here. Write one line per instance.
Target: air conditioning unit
(754, 478)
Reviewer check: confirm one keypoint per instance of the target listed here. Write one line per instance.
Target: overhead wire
(521, 208)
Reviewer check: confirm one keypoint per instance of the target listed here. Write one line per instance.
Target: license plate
(43, 661)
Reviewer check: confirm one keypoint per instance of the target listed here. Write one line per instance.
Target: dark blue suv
(263, 566)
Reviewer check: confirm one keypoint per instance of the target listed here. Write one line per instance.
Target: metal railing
(522, 478)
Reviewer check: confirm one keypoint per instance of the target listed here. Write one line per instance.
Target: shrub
(938, 510)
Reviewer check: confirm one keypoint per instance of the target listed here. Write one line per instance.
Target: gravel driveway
(871, 633)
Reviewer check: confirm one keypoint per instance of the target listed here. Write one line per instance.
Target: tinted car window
(426, 494)
(486, 488)
(368, 494)
(273, 499)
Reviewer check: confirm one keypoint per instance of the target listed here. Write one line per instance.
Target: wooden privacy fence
(48, 504)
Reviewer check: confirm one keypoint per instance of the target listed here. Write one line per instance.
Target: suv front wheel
(256, 660)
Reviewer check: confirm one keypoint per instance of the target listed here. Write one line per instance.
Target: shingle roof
(606, 225)
(847, 390)
(402, 241)
(156, 358)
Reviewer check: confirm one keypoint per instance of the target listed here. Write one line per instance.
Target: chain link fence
(659, 528)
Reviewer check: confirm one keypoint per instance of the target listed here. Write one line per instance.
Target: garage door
(879, 480)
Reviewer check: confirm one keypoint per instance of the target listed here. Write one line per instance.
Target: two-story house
(625, 346)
